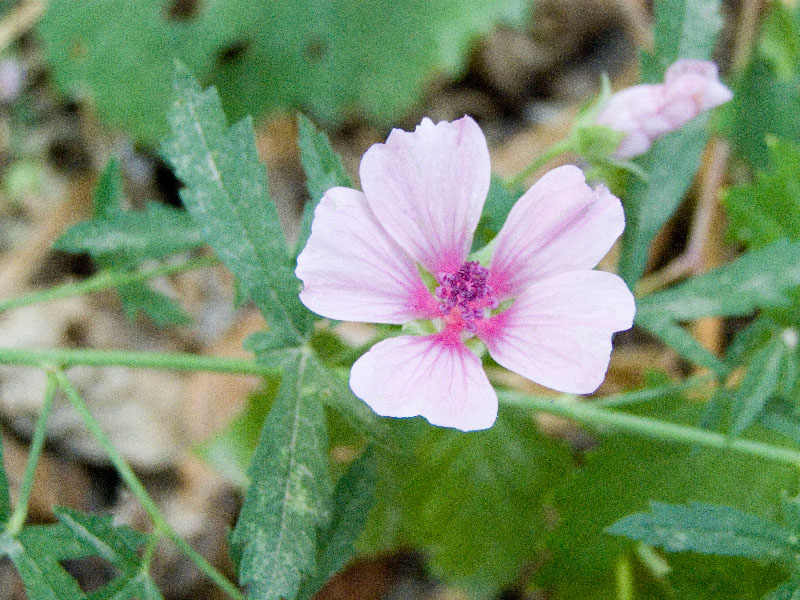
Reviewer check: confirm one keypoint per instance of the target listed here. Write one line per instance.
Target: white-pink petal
(427, 189)
(558, 331)
(352, 270)
(560, 224)
(430, 376)
(647, 112)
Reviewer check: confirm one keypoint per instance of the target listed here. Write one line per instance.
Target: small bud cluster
(468, 290)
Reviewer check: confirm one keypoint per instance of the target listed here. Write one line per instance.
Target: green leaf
(765, 101)
(650, 203)
(683, 342)
(36, 553)
(683, 29)
(264, 56)
(761, 213)
(118, 239)
(757, 279)
(5, 498)
(323, 168)
(758, 385)
(709, 529)
(156, 232)
(473, 502)
(623, 474)
(353, 498)
(287, 501)
(117, 545)
(226, 194)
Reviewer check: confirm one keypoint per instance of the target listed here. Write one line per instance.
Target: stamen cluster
(467, 290)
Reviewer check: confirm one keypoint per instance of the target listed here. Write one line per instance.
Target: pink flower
(647, 112)
(423, 196)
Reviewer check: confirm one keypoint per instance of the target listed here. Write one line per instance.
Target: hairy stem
(137, 489)
(594, 416)
(17, 520)
(68, 357)
(104, 281)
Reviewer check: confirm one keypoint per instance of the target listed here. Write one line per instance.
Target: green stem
(17, 520)
(589, 414)
(68, 357)
(104, 281)
(137, 489)
(552, 152)
(645, 395)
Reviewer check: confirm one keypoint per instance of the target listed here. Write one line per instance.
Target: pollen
(466, 293)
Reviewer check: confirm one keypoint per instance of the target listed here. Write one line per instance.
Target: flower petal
(558, 331)
(353, 270)
(431, 376)
(558, 225)
(427, 189)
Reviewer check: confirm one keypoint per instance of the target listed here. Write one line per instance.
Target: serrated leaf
(761, 213)
(683, 29)
(757, 279)
(288, 498)
(5, 498)
(118, 239)
(323, 168)
(759, 383)
(156, 232)
(226, 194)
(472, 502)
(353, 498)
(709, 529)
(263, 56)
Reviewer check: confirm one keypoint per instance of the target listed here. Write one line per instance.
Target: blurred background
(83, 81)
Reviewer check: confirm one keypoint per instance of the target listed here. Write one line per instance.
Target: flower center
(466, 293)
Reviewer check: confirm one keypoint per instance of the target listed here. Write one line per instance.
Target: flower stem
(552, 152)
(67, 357)
(17, 520)
(137, 489)
(589, 414)
(104, 281)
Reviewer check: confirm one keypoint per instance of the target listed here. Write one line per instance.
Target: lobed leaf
(709, 529)
(287, 501)
(226, 194)
(156, 232)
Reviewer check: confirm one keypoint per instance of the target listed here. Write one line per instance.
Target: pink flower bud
(647, 112)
